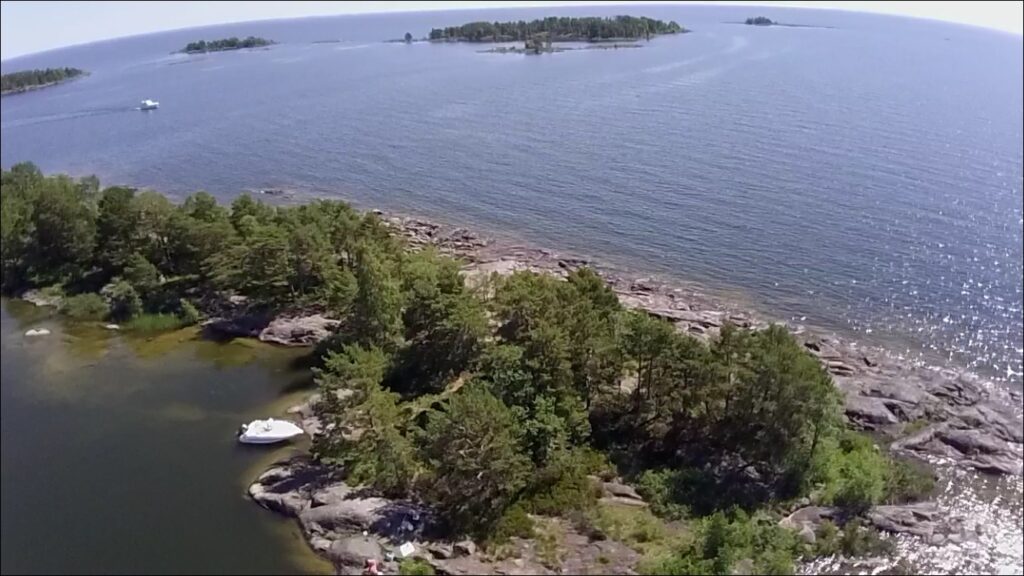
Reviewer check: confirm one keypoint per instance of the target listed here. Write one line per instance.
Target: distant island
(554, 29)
(34, 79)
(765, 21)
(223, 44)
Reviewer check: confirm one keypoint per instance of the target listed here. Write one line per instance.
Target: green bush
(125, 303)
(85, 307)
(188, 313)
(660, 489)
(562, 486)
(724, 540)
(858, 540)
(514, 523)
(415, 567)
(908, 482)
(826, 541)
(854, 472)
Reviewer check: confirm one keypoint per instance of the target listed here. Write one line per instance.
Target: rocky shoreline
(939, 415)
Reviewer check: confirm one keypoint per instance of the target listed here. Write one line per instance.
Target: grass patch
(635, 526)
(154, 323)
(549, 544)
(915, 426)
(415, 566)
(85, 307)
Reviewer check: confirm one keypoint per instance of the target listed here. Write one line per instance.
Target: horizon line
(623, 3)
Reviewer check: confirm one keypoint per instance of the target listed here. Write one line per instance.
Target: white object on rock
(37, 332)
(406, 550)
(268, 431)
(112, 327)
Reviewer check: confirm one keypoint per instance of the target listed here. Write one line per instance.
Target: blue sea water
(865, 175)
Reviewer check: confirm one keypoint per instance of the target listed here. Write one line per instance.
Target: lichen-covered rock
(298, 330)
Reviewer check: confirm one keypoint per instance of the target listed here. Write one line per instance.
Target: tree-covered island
(759, 21)
(33, 79)
(497, 404)
(559, 29)
(223, 44)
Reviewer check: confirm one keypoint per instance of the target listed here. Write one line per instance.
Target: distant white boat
(268, 431)
(149, 105)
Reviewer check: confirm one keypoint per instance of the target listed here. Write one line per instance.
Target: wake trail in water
(85, 113)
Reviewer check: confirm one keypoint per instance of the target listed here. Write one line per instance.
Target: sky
(28, 27)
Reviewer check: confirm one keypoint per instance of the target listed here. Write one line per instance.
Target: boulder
(919, 519)
(344, 516)
(440, 551)
(623, 501)
(298, 330)
(464, 548)
(330, 494)
(839, 368)
(245, 326)
(349, 554)
(975, 448)
(287, 486)
(869, 412)
(39, 298)
(810, 516)
(998, 423)
(620, 490)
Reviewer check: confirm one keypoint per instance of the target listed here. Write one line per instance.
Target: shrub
(515, 522)
(857, 540)
(724, 541)
(826, 542)
(125, 303)
(854, 472)
(563, 485)
(85, 307)
(660, 489)
(188, 313)
(908, 482)
(141, 274)
(414, 567)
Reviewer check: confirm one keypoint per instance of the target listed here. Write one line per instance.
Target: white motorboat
(268, 431)
(148, 104)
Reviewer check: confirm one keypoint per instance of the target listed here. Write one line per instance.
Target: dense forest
(232, 43)
(28, 79)
(558, 29)
(493, 401)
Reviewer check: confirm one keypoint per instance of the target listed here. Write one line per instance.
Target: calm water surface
(866, 178)
(119, 453)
